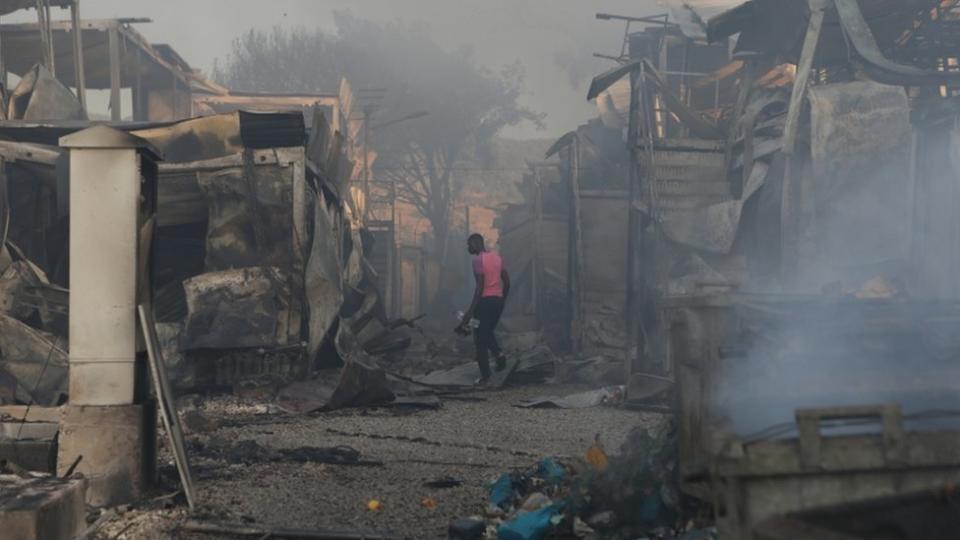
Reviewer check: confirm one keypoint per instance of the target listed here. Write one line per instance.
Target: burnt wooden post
(538, 273)
(139, 110)
(113, 36)
(79, 76)
(575, 252)
(3, 69)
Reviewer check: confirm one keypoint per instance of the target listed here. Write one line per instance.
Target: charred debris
(769, 178)
(754, 241)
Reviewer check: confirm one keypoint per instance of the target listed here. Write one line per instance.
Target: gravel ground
(475, 441)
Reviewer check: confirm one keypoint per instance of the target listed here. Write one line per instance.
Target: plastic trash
(551, 471)
(596, 457)
(531, 525)
(501, 492)
(535, 501)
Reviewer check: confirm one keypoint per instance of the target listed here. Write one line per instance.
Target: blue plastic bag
(501, 492)
(551, 471)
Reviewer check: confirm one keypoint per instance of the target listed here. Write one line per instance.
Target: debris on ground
(596, 456)
(445, 482)
(466, 529)
(249, 452)
(611, 395)
(532, 366)
(630, 495)
(597, 370)
(235, 530)
(357, 384)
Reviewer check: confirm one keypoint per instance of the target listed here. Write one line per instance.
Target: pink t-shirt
(489, 264)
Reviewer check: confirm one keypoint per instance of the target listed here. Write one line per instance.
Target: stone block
(118, 445)
(45, 508)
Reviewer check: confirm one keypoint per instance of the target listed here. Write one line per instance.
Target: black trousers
(488, 311)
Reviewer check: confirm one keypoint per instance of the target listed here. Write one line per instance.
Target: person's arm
(476, 298)
(505, 279)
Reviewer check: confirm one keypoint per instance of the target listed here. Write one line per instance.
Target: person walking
(490, 293)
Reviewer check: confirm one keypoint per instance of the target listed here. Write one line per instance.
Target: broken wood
(79, 77)
(236, 529)
(113, 42)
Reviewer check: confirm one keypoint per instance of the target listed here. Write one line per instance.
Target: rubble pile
(634, 494)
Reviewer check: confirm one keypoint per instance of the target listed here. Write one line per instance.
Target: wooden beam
(89, 24)
(3, 69)
(80, 80)
(137, 92)
(114, 40)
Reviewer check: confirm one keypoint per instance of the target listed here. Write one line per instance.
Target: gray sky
(536, 32)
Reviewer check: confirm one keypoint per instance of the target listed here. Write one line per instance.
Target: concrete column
(103, 422)
(104, 196)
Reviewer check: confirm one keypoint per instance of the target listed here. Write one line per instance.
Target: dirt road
(475, 441)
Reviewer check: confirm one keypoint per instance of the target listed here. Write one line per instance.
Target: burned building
(779, 232)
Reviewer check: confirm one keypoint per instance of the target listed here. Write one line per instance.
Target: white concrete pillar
(111, 200)
(105, 203)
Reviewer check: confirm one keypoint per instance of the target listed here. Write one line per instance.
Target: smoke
(499, 31)
(868, 329)
(837, 352)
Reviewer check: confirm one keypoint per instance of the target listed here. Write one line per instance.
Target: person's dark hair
(476, 237)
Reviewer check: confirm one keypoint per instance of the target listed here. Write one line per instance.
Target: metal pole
(631, 227)
(79, 76)
(114, 44)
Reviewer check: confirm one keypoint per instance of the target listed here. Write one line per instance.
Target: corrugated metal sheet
(272, 130)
